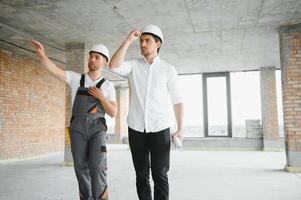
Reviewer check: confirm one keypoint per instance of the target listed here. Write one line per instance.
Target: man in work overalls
(153, 81)
(92, 97)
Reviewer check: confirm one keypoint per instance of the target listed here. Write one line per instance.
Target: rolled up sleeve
(125, 69)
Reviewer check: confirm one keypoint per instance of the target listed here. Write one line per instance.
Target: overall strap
(98, 85)
(82, 80)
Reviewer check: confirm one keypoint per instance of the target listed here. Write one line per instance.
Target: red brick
(33, 113)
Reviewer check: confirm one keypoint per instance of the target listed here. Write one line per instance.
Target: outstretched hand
(39, 48)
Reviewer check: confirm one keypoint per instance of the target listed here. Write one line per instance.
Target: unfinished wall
(32, 107)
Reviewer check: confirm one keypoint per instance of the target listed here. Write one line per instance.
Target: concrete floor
(194, 175)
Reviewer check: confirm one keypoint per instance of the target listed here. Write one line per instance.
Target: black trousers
(151, 150)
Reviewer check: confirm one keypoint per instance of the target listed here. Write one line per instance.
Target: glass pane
(217, 106)
(245, 99)
(191, 88)
(279, 103)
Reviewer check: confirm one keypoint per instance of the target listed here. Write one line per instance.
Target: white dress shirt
(152, 88)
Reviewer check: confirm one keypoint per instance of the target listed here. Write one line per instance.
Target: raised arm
(47, 63)
(118, 57)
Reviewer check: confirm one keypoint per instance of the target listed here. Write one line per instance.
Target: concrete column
(290, 54)
(121, 128)
(75, 61)
(270, 129)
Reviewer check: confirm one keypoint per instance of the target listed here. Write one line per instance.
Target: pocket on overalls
(103, 158)
(72, 127)
(76, 125)
(102, 123)
(96, 126)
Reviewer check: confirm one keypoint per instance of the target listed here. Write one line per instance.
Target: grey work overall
(88, 144)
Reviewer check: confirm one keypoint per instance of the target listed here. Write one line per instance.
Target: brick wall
(290, 48)
(32, 108)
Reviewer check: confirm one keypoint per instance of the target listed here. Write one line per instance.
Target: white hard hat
(102, 49)
(153, 29)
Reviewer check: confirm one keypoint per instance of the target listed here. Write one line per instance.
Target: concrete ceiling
(201, 35)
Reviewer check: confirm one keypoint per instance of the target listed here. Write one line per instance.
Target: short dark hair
(157, 39)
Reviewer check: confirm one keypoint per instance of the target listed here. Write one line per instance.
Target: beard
(145, 51)
(93, 67)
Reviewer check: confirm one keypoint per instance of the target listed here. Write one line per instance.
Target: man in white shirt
(153, 81)
(92, 97)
